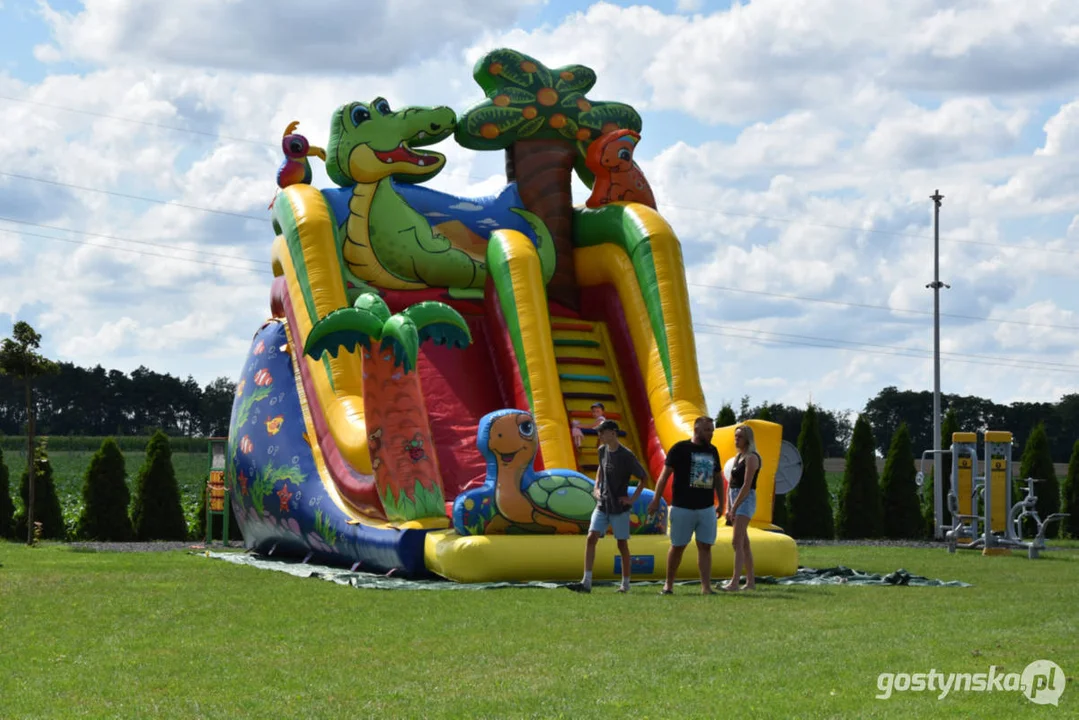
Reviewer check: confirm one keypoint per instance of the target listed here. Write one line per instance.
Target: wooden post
(30, 463)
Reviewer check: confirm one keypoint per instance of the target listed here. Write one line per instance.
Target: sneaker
(579, 587)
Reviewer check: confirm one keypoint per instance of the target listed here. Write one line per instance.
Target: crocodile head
(370, 141)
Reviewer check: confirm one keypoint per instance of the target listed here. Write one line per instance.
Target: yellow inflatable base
(560, 558)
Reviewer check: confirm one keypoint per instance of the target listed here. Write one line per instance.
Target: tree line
(891, 504)
(78, 401)
(891, 408)
(94, 401)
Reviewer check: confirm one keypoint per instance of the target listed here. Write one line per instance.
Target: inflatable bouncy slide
(421, 400)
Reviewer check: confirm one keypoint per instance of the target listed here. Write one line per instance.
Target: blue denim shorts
(748, 507)
(686, 523)
(619, 524)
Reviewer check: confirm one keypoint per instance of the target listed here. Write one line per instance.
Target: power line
(882, 307)
(134, 197)
(137, 122)
(841, 303)
(919, 352)
(731, 213)
(893, 233)
(762, 340)
(87, 243)
(704, 328)
(455, 173)
(198, 250)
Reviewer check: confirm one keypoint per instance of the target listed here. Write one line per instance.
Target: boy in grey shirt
(616, 464)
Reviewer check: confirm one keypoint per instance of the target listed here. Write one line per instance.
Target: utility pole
(938, 459)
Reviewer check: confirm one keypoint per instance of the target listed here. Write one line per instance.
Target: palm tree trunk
(29, 463)
(543, 170)
(397, 421)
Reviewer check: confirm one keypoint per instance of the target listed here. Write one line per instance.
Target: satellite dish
(789, 472)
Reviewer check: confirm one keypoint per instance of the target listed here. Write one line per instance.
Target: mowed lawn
(176, 635)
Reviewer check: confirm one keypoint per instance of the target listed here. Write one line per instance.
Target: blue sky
(776, 133)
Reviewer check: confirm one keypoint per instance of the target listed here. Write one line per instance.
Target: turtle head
(511, 439)
(370, 141)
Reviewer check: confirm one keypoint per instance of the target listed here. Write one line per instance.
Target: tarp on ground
(343, 576)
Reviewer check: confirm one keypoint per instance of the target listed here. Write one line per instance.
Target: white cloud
(960, 129)
(1062, 131)
(273, 35)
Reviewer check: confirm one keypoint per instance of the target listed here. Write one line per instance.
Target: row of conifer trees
(890, 504)
(110, 511)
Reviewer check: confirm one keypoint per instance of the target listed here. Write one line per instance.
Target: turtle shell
(568, 496)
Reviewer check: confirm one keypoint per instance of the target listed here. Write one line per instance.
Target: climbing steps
(588, 372)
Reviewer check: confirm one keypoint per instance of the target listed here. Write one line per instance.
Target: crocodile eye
(359, 114)
(527, 429)
(382, 106)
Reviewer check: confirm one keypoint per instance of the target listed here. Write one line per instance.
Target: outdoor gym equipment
(1027, 508)
(981, 505)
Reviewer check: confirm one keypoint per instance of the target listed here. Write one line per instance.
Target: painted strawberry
(246, 446)
(260, 348)
(242, 479)
(263, 378)
(273, 425)
(414, 448)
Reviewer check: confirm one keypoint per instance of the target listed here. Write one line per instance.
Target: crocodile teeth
(421, 135)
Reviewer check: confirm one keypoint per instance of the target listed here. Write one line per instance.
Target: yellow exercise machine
(981, 508)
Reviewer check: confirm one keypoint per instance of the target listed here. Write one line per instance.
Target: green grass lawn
(172, 635)
(69, 466)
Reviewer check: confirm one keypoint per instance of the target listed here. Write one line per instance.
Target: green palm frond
(439, 323)
(370, 301)
(401, 335)
(344, 328)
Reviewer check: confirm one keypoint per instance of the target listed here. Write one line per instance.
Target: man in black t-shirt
(698, 481)
(617, 464)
